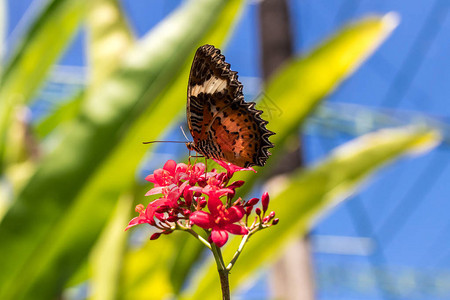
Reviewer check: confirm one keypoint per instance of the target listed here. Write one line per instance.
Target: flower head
(192, 196)
(220, 221)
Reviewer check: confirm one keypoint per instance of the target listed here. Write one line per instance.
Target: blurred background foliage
(70, 180)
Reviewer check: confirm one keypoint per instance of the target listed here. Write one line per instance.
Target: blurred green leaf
(37, 51)
(153, 122)
(110, 38)
(106, 259)
(66, 228)
(61, 116)
(299, 200)
(40, 47)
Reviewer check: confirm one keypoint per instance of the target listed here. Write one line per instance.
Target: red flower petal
(235, 213)
(236, 229)
(181, 168)
(214, 206)
(158, 176)
(151, 178)
(232, 168)
(202, 219)
(218, 237)
(155, 190)
(196, 189)
(170, 166)
(133, 222)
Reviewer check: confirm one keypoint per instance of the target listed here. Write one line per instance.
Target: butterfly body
(223, 125)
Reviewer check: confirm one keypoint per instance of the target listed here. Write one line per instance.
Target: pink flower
(195, 173)
(186, 191)
(220, 220)
(145, 214)
(231, 169)
(166, 178)
(171, 173)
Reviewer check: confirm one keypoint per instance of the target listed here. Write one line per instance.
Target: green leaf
(153, 122)
(61, 116)
(110, 38)
(45, 243)
(304, 197)
(33, 57)
(106, 258)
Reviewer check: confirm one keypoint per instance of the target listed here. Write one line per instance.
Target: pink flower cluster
(193, 196)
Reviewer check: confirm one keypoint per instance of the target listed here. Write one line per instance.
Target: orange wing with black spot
(222, 124)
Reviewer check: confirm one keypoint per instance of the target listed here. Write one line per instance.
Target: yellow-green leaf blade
(110, 37)
(106, 117)
(33, 58)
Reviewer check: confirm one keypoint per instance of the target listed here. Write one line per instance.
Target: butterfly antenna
(151, 142)
(182, 130)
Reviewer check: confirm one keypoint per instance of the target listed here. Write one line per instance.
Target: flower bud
(201, 182)
(203, 203)
(266, 219)
(188, 195)
(236, 184)
(221, 177)
(272, 215)
(252, 202)
(248, 210)
(265, 201)
(275, 221)
(172, 218)
(155, 236)
(258, 211)
(231, 194)
(197, 194)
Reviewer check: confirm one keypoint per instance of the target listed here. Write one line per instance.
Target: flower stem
(239, 250)
(223, 272)
(195, 234)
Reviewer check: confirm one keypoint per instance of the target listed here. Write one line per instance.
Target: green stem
(238, 251)
(195, 234)
(223, 272)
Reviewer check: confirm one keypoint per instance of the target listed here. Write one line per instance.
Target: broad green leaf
(145, 269)
(305, 196)
(106, 259)
(45, 243)
(149, 126)
(37, 51)
(109, 39)
(61, 116)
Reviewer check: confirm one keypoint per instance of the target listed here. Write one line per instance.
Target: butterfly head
(191, 146)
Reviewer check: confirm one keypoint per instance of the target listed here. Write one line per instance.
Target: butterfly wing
(222, 124)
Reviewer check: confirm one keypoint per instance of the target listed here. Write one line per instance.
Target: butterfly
(222, 124)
